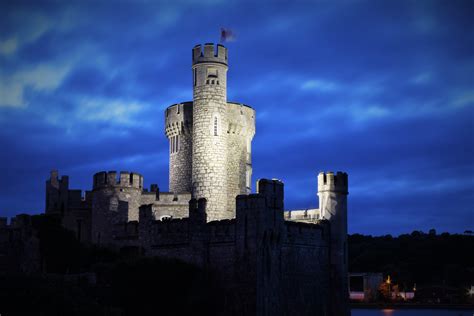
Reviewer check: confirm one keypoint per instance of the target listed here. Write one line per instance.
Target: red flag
(227, 35)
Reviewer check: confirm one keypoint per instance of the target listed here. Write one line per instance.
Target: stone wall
(115, 199)
(178, 129)
(272, 266)
(19, 246)
(71, 206)
(267, 265)
(239, 165)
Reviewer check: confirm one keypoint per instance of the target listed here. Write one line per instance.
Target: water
(411, 312)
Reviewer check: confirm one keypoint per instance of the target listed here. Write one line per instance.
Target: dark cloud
(380, 90)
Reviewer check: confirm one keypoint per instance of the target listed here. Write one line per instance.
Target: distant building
(364, 286)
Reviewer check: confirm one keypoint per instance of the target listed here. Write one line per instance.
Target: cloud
(463, 100)
(120, 112)
(358, 113)
(25, 33)
(44, 77)
(319, 85)
(422, 78)
(9, 46)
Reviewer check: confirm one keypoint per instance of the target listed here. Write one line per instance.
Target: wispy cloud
(422, 78)
(320, 85)
(464, 99)
(43, 77)
(119, 112)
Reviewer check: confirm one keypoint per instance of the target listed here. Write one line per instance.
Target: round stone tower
(210, 126)
(115, 199)
(178, 129)
(210, 139)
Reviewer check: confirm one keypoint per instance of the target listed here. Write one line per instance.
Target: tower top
(211, 54)
(328, 181)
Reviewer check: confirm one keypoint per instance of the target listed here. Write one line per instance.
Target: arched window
(174, 144)
(215, 126)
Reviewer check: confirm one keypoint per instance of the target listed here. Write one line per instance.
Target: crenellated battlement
(123, 179)
(241, 119)
(179, 119)
(273, 191)
(328, 181)
(209, 53)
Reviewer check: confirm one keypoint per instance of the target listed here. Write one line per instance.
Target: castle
(274, 261)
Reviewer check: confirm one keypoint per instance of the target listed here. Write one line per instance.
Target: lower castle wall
(78, 220)
(269, 265)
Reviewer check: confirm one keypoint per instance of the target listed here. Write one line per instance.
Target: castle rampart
(270, 261)
(123, 179)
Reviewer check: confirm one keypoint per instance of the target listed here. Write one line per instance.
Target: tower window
(174, 144)
(212, 73)
(215, 126)
(207, 81)
(194, 77)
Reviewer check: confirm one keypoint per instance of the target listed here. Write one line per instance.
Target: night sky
(383, 90)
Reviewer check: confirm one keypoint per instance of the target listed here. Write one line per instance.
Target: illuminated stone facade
(210, 138)
(271, 261)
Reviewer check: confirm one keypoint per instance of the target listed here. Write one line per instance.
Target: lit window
(212, 73)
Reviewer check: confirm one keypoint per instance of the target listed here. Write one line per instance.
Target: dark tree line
(427, 259)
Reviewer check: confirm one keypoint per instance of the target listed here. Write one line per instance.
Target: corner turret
(332, 192)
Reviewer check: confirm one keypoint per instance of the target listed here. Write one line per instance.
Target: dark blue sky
(383, 90)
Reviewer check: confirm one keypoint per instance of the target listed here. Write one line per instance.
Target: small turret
(57, 194)
(116, 197)
(332, 192)
(125, 179)
(335, 183)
